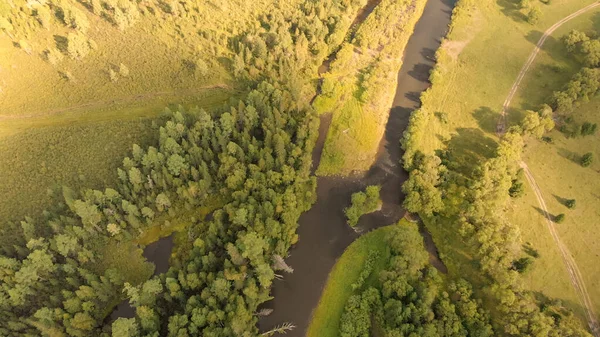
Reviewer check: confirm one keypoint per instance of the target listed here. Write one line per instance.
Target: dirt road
(531, 59)
(574, 273)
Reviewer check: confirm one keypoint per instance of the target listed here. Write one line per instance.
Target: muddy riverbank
(323, 232)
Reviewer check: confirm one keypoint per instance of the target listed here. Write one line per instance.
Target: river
(323, 232)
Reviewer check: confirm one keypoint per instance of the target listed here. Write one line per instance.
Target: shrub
(570, 203)
(522, 265)
(362, 203)
(586, 159)
(534, 15)
(588, 129)
(559, 218)
(517, 189)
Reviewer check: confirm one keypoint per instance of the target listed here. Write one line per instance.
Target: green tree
(587, 159)
(570, 203)
(534, 15)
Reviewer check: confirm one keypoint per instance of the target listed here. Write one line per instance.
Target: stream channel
(323, 232)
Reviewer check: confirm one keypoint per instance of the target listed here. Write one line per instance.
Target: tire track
(531, 59)
(574, 272)
(572, 268)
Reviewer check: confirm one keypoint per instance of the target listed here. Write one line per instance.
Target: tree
(362, 203)
(125, 327)
(574, 39)
(570, 203)
(534, 15)
(560, 218)
(591, 50)
(421, 188)
(587, 159)
(538, 123)
(162, 202)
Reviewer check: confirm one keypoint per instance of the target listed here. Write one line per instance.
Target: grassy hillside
(67, 120)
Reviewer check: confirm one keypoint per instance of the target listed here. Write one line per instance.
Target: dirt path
(502, 122)
(574, 273)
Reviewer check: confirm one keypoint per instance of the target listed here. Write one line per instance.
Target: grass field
(325, 321)
(360, 87)
(485, 50)
(558, 172)
(57, 131)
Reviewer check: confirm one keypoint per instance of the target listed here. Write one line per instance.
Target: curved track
(574, 272)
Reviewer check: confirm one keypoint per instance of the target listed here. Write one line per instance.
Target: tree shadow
(529, 250)
(543, 213)
(596, 23)
(414, 96)
(550, 44)
(487, 118)
(562, 200)
(468, 149)
(420, 72)
(568, 154)
(511, 9)
(61, 43)
(515, 116)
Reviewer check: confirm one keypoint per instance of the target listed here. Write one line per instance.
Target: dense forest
(251, 157)
(412, 298)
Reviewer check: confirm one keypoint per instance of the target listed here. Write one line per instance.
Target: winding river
(323, 232)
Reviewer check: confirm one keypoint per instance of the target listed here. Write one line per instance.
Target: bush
(522, 265)
(559, 218)
(367, 270)
(570, 203)
(588, 129)
(586, 159)
(517, 189)
(534, 15)
(362, 203)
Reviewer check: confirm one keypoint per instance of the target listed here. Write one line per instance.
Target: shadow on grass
(568, 154)
(563, 201)
(468, 149)
(61, 43)
(487, 118)
(511, 9)
(543, 213)
(515, 116)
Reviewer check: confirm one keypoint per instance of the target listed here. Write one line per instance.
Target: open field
(477, 66)
(76, 149)
(326, 316)
(561, 177)
(74, 130)
(558, 173)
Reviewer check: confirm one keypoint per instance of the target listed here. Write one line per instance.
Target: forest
(228, 167)
(251, 157)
